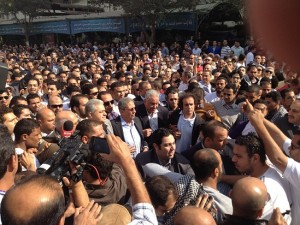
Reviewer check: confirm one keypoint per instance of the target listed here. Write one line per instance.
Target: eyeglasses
(56, 106)
(269, 71)
(108, 103)
(3, 97)
(94, 94)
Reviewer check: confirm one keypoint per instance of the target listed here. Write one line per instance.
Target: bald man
(55, 103)
(44, 201)
(249, 196)
(191, 215)
(46, 118)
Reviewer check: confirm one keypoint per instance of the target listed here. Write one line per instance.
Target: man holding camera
(104, 180)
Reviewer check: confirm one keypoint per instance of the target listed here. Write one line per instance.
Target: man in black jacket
(128, 127)
(164, 153)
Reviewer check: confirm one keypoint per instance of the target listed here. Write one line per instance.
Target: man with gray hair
(129, 128)
(94, 109)
(151, 114)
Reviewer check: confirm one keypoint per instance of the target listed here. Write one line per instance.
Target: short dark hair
(72, 88)
(285, 91)
(116, 84)
(55, 83)
(49, 213)
(3, 111)
(74, 101)
(253, 144)
(35, 79)
(253, 89)
(15, 99)
(32, 96)
(274, 95)
(101, 80)
(86, 88)
(205, 165)
(171, 90)
(208, 129)
(119, 74)
(120, 65)
(24, 126)
(185, 96)
(85, 127)
(159, 188)
(159, 134)
(7, 149)
(18, 109)
(231, 86)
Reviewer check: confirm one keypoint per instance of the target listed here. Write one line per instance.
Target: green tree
(24, 11)
(153, 10)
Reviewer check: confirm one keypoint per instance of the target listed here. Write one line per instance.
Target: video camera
(73, 151)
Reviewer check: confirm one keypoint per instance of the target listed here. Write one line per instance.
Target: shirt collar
(124, 123)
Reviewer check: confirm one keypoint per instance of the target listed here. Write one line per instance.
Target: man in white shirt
(249, 158)
(274, 141)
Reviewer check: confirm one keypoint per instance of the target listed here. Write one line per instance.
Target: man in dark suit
(128, 127)
(151, 114)
(164, 153)
(185, 123)
(144, 86)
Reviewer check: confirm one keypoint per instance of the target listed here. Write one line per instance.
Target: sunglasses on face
(94, 94)
(4, 97)
(56, 106)
(108, 103)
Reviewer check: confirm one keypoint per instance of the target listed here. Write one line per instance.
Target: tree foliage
(24, 11)
(153, 10)
(149, 7)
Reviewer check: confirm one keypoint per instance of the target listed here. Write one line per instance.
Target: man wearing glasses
(4, 98)
(55, 103)
(108, 103)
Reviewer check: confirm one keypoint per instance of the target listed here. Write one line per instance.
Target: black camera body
(72, 150)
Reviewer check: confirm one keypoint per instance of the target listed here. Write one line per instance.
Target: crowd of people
(197, 134)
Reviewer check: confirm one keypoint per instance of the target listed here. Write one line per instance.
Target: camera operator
(104, 180)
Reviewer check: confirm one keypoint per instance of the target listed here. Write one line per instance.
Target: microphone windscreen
(68, 125)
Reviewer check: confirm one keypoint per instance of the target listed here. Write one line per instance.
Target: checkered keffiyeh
(188, 190)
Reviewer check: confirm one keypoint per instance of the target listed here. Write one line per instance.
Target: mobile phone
(98, 144)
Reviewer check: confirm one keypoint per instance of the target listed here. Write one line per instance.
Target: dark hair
(15, 99)
(208, 129)
(171, 90)
(86, 88)
(185, 96)
(253, 145)
(18, 109)
(116, 84)
(253, 89)
(119, 74)
(74, 101)
(24, 126)
(101, 93)
(85, 127)
(285, 91)
(101, 80)
(3, 111)
(159, 188)
(159, 134)
(35, 79)
(231, 86)
(32, 96)
(56, 83)
(204, 163)
(7, 149)
(120, 65)
(274, 95)
(72, 88)
(47, 213)
(103, 166)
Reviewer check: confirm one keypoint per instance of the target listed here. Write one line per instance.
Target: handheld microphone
(67, 129)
